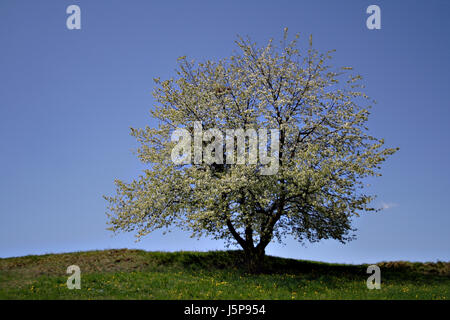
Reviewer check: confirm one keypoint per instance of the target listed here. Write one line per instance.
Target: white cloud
(388, 205)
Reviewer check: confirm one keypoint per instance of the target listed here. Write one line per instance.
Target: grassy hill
(137, 274)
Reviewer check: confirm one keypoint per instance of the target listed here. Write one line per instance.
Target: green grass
(136, 274)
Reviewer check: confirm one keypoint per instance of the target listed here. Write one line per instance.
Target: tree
(323, 155)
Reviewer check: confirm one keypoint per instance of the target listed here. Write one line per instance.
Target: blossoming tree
(324, 151)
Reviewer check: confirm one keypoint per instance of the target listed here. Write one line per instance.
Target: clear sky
(69, 97)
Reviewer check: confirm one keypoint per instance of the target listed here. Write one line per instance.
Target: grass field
(136, 274)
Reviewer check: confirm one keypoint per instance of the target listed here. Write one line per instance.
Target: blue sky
(69, 97)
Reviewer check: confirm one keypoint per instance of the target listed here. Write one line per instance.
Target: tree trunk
(254, 259)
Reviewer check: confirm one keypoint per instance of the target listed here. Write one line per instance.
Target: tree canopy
(324, 151)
